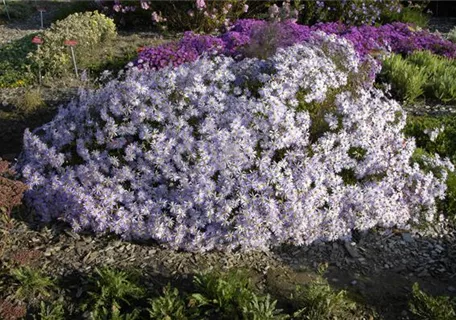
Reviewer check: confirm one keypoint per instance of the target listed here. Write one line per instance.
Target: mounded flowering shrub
(224, 154)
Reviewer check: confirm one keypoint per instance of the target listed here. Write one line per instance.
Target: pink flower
(156, 17)
(246, 7)
(200, 4)
(116, 7)
(190, 13)
(145, 5)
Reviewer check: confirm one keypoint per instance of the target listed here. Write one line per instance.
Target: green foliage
(14, 64)
(64, 9)
(421, 74)
(426, 307)
(262, 308)
(32, 284)
(321, 302)
(91, 29)
(230, 296)
(222, 295)
(52, 311)
(30, 101)
(112, 291)
(419, 128)
(407, 81)
(411, 15)
(169, 306)
(16, 9)
(452, 35)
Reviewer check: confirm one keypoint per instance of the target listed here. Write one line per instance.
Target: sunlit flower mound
(226, 155)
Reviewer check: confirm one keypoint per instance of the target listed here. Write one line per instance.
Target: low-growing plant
(413, 15)
(168, 306)
(407, 80)
(32, 284)
(14, 65)
(89, 29)
(230, 295)
(12, 311)
(222, 295)
(317, 300)
(11, 191)
(427, 307)
(452, 35)
(112, 291)
(30, 101)
(53, 311)
(421, 74)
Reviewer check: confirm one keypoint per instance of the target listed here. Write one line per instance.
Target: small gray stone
(407, 237)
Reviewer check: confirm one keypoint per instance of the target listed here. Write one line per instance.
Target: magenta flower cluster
(222, 154)
(395, 37)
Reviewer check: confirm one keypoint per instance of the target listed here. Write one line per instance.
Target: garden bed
(376, 268)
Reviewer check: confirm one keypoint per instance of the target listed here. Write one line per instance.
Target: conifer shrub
(224, 154)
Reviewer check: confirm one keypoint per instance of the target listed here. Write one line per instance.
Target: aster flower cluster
(368, 40)
(223, 154)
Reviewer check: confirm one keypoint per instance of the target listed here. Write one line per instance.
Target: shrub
(11, 191)
(217, 154)
(352, 12)
(198, 16)
(90, 29)
(425, 307)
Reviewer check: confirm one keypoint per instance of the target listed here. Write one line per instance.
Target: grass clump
(426, 307)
